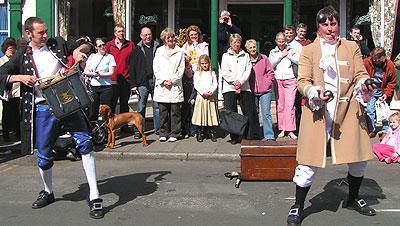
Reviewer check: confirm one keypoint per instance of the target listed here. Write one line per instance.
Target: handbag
(234, 123)
(382, 111)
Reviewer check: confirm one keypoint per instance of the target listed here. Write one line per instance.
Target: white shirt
(46, 65)
(328, 65)
(102, 65)
(205, 81)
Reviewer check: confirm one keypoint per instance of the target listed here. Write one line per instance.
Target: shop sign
(148, 19)
(363, 19)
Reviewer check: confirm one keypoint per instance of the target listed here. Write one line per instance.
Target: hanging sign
(143, 20)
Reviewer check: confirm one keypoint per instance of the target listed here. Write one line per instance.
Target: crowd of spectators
(118, 69)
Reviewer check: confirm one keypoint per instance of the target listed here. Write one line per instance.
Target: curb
(170, 156)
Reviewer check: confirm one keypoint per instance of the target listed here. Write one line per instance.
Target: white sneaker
(172, 139)
(162, 139)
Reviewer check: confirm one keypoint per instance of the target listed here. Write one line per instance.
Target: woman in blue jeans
(261, 78)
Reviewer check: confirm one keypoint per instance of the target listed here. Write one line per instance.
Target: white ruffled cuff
(313, 99)
(360, 95)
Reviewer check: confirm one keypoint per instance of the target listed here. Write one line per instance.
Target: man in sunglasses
(335, 122)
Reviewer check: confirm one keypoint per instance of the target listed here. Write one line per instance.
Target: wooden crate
(268, 160)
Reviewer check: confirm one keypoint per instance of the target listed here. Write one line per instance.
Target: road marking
(388, 210)
(9, 168)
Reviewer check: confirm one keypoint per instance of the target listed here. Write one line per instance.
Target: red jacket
(389, 76)
(122, 57)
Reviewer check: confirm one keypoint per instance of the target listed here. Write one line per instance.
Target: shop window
(152, 14)
(3, 24)
(197, 12)
(258, 21)
(92, 18)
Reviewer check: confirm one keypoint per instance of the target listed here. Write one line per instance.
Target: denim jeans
(371, 117)
(144, 94)
(265, 101)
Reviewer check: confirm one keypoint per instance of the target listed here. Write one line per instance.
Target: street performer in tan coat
(334, 123)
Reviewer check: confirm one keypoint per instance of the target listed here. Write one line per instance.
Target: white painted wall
(28, 10)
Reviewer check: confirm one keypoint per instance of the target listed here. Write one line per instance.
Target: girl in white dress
(205, 108)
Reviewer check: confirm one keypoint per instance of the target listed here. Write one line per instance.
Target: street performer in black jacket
(39, 128)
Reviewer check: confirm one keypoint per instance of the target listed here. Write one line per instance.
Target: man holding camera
(225, 29)
(355, 35)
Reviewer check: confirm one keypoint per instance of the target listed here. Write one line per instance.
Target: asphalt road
(171, 192)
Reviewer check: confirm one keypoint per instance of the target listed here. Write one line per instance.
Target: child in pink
(389, 149)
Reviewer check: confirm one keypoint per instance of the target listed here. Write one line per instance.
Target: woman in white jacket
(168, 67)
(282, 59)
(236, 68)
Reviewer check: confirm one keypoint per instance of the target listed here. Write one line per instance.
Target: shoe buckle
(362, 203)
(294, 212)
(41, 195)
(97, 206)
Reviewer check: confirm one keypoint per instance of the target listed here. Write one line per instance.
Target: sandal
(282, 134)
(232, 174)
(388, 160)
(292, 135)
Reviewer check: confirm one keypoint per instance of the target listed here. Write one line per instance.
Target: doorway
(258, 21)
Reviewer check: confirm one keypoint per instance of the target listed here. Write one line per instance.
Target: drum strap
(34, 65)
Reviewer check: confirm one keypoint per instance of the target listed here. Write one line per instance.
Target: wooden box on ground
(268, 160)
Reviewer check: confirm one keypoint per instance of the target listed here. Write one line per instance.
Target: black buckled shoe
(361, 206)
(295, 216)
(43, 200)
(96, 208)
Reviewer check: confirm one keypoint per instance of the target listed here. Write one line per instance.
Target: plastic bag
(382, 111)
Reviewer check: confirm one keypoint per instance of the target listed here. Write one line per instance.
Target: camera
(226, 19)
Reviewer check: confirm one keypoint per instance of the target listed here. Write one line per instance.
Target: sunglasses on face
(321, 18)
(101, 45)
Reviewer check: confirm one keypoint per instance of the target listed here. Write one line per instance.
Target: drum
(65, 95)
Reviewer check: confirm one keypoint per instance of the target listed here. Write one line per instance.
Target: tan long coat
(349, 137)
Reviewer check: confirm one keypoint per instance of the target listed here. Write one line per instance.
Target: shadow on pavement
(9, 157)
(126, 187)
(336, 191)
(10, 151)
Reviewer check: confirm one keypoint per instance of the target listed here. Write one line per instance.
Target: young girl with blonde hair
(205, 108)
(389, 149)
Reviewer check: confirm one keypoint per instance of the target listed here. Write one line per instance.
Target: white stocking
(89, 164)
(47, 178)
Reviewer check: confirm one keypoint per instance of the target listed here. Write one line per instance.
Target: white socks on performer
(47, 178)
(89, 164)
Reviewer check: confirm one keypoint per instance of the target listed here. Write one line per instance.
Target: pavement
(126, 146)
